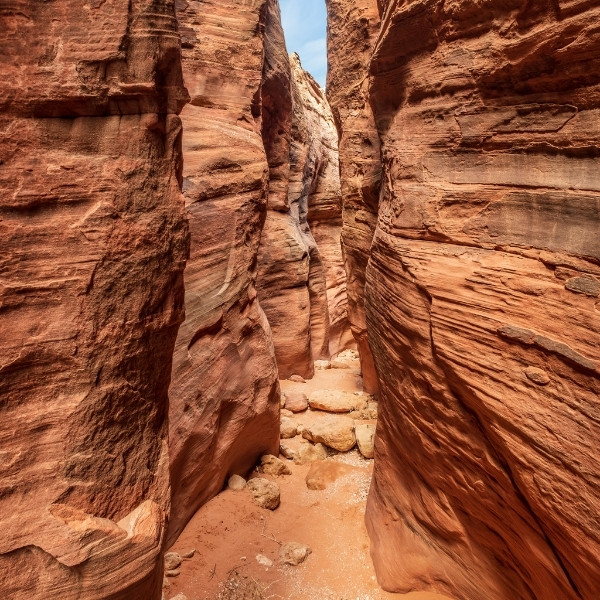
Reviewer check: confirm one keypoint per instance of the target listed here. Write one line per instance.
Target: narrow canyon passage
(323, 496)
(192, 229)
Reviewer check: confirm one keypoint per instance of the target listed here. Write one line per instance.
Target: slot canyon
(261, 339)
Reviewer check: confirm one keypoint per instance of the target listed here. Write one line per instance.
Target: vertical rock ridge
(225, 392)
(302, 283)
(352, 30)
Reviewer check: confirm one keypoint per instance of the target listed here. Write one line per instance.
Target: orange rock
(93, 246)
(481, 279)
(224, 393)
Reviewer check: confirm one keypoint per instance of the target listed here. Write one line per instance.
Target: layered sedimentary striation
(93, 249)
(352, 29)
(225, 393)
(301, 283)
(482, 296)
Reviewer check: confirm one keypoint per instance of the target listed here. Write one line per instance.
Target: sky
(305, 28)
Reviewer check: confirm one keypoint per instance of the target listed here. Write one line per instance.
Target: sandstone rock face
(302, 282)
(224, 394)
(481, 302)
(91, 297)
(352, 29)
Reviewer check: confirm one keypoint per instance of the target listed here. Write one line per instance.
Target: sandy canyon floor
(230, 531)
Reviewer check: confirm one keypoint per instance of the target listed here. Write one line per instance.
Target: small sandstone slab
(287, 451)
(265, 493)
(297, 379)
(271, 465)
(289, 428)
(296, 402)
(179, 597)
(190, 553)
(308, 453)
(236, 483)
(323, 473)
(172, 573)
(337, 432)
(294, 553)
(335, 401)
(365, 438)
(538, 376)
(173, 561)
(322, 365)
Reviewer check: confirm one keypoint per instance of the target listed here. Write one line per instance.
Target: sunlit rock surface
(301, 277)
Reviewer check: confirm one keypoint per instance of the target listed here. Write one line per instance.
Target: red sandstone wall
(225, 392)
(482, 297)
(93, 243)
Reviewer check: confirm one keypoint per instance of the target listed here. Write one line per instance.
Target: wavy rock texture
(353, 26)
(482, 296)
(302, 286)
(225, 392)
(91, 297)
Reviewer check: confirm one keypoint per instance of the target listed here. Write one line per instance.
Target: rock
(337, 432)
(179, 597)
(321, 365)
(264, 561)
(307, 453)
(481, 263)
(236, 482)
(296, 402)
(350, 46)
(293, 553)
(282, 401)
(189, 554)
(365, 434)
(286, 413)
(289, 428)
(286, 451)
(301, 279)
(172, 561)
(297, 378)
(93, 247)
(271, 465)
(166, 584)
(224, 167)
(265, 493)
(341, 364)
(323, 473)
(335, 401)
(538, 376)
(172, 573)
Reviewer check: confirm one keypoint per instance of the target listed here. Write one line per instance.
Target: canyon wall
(93, 248)
(352, 28)
(482, 294)
(301, 283)
(224, 410)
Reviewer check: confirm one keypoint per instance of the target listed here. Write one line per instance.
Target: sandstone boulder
(365, 437)
(293, 553)
(172, 560)
(336, 432)
(296, 402)
(236, 483)
(264, 493)
(271, 465)
(289, 428)
(335, 401)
